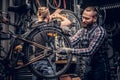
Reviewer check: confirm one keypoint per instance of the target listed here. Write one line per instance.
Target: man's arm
(64, 20)
(95, 43)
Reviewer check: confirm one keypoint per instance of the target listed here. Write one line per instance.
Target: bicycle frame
(8, 57)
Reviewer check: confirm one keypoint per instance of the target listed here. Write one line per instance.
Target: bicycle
(51, 37)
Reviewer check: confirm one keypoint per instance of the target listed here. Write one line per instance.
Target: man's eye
(87, 18)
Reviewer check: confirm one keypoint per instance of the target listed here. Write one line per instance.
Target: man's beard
(87, 25)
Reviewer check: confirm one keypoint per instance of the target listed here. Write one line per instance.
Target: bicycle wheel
(35, 4)
(54, 4)
(75, 26)
(49, 37)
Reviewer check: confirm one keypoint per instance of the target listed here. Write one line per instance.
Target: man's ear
(94, 19)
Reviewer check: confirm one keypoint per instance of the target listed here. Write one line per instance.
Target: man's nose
(83, 20)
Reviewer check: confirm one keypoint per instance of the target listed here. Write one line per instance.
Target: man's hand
(57, 11)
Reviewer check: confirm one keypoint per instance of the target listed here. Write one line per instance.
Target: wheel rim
(48, 39)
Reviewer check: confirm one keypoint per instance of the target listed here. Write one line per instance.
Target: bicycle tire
(34, 5)
(52, 4)
(76, 24)
(39, 31)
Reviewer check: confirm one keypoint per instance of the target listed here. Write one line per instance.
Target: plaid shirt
(97, 35)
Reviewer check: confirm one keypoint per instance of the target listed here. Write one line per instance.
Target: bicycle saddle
(20, 9)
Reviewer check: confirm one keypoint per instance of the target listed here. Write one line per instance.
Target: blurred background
(109, 18)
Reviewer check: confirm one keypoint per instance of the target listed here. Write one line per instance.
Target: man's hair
(43, 12)
(92, 9)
